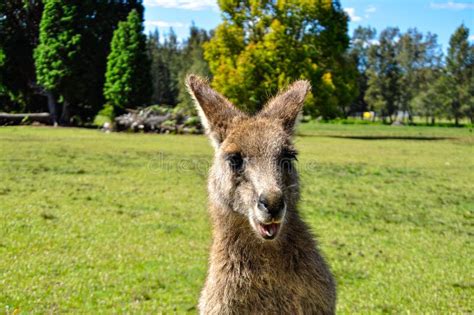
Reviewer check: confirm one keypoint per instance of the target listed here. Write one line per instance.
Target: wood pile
(24, 118)
(157, 121)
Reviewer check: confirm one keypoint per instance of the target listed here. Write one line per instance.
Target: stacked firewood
(158, 120)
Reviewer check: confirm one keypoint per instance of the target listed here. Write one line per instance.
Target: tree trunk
(65, 115)
(456, 121)
(433, 120)
(390, 118)
(52, 107)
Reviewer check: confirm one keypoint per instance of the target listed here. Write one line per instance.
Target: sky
(440, 17)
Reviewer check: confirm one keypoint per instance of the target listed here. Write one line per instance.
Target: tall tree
(423, 76)
(166, 62)
(95, 21)
(460, 74)
(192, 62)
(418, 56)
(56, 52)
(362, 40)
(433, 98)
(128, 81)
(19, 25)
(384, 90)
(261, 46)
(98, 21)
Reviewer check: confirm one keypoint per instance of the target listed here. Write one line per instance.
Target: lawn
(117, 223)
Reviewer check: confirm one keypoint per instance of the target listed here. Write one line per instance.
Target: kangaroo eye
(235, 161)
(289, 155)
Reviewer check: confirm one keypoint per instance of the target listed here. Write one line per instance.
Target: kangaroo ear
(216, 112)
(287, 104)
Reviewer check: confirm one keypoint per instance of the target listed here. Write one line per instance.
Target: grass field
(96, 223)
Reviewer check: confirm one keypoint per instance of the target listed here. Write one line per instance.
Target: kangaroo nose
(272, 203)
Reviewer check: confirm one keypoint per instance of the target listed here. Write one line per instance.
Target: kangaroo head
(253, 172)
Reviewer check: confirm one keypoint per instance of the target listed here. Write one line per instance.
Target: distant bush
(105, 115)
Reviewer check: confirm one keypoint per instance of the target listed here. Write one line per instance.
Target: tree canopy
(75, 58)
(262, 46)
(59, 43)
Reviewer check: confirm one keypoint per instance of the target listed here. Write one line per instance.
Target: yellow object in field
(367, 115)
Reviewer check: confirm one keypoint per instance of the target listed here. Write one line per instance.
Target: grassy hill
(113, 223)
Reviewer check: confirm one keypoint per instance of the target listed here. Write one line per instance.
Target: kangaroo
(264, 259)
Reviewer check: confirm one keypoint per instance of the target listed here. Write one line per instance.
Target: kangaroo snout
(272, 204)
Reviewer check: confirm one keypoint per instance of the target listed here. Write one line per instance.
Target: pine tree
(384, 90)
(128, 81)
(361, 41)
(419, 57)
(98, 21)
(165, 60)
(57, 50)
(460, 75)
(433, 99)
(192, 62)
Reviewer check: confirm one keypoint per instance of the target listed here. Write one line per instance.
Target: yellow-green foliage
(262, 46)
(94, 223)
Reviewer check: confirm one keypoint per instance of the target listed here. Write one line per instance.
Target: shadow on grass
(422, 138)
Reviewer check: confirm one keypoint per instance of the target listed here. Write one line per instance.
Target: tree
(166, 61)
(192, 62)
(128, 81)
(98, 19)
(362, 40)
(19, 25)
(2, 62)
(384, 90)
(82, 88)
(57, 49)
(432, 99)
(460, 74)
(419, 58)
(262, 46)
(170, 62)
(423, 75)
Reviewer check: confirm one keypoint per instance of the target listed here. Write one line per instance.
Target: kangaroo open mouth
(268, 231)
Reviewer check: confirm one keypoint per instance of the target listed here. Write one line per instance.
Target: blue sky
(441, 17)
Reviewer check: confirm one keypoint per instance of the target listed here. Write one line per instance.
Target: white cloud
(352, 14)
(452, 5)
(471, 37)
(158, 23)
(183, 4)
(370, 9)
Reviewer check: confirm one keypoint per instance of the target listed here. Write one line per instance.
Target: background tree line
(408, 72)
(76, 59)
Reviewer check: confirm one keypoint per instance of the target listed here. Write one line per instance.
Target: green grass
(117, 223)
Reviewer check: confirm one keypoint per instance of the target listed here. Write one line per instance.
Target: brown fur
(249, 274)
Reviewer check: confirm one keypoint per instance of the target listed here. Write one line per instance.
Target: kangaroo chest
(260, 285)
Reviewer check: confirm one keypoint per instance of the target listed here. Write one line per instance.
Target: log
(17, 119)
